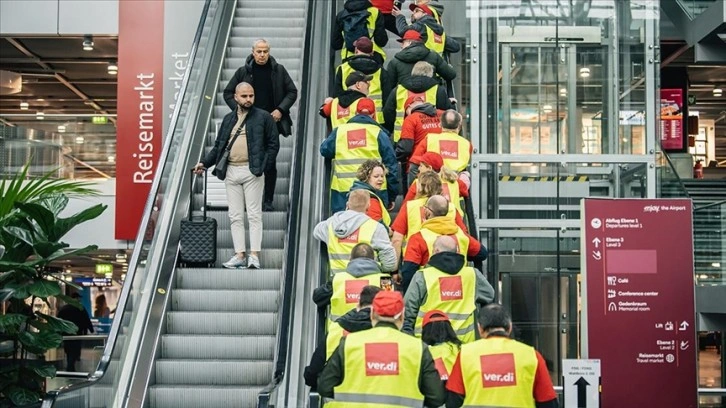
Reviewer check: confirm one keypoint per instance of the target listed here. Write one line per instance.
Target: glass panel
(709, 243)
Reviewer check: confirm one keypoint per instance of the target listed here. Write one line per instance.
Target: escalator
(192, 337)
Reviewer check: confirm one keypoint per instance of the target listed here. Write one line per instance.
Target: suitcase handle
(191, 195)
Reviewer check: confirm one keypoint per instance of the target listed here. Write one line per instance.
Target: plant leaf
(44, 288)
(41, 341)
(46, 249)
(70, 301)
(20, 288)
(44, 218)
(21, 396)
(10, 322)
(55, 203)
(22, 234)
(60, 325)
(62, 254)
(63, 225)
(43, 369)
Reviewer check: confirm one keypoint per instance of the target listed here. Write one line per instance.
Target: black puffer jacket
(284, 92)
(414, 84)
(400, 66)
(337, 41)
(262, 140)
(367, 65)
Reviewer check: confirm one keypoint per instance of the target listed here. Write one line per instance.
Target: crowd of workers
(408, 321)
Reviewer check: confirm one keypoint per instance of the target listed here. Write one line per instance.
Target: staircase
(218, 350)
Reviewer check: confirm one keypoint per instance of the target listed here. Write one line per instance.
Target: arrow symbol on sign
(597, 255)
(581, 384)
(684, 326)
(596, 241)
(684, 344)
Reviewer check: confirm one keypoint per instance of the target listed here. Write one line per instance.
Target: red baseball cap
(366, 105)
(388, 303)
(431, 159)
(434, 316)
(412, 99)
(364, 44)
(412, 35)
(425, 8)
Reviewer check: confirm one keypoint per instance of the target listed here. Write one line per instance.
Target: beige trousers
(244, 192)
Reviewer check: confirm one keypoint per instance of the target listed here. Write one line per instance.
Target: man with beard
(250, 137)
(275, 92)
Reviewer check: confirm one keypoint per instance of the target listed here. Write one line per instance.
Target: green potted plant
(31, 230)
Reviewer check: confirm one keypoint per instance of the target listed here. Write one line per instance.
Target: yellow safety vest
(444, 355)
(385, 216)
(340, 115)
(401, 95)
(332, 339)
(437, 17)
(339, 249)
(453, 148)
(453, 294)
(354, 144)
(435, 42)
(462, 240)
(498, 372)
(375, 91)
(346, 291)
(415, 214)
(382, 369)
(344, 53)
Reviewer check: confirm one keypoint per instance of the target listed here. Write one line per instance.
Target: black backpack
(355, 26)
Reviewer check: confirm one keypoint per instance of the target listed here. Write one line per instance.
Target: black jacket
(284, 92)
(337, 41)
(414, 84)
(262, 140)
(450, 45)
(367, 65)
(400, 66)
(353, 321)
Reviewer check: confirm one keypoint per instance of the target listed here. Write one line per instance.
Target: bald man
(447, 284)
(249, 136)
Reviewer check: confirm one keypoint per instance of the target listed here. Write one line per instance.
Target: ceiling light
(112, 68)
(717, 91)
(80, 140)
(584, 72)
(87, 42)
(24, 105)
(111, 159)
(563, 92)
(716, 264)
(40, 115)
(61, 128)
(10, 82)
(547, 108)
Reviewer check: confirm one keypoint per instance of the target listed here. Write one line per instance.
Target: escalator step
(196, 300)
(186, 396)
(217, 347)
(232, 279)
(214, 372)
(221, 323)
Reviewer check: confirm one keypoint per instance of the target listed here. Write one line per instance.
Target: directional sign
(638, 307)
(581, 383)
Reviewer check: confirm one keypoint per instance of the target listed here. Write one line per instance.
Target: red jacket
(418, 253)
(384, 6)
(417, 125)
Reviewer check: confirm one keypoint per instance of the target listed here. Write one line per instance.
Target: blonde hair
(448, 175)
(429, 184)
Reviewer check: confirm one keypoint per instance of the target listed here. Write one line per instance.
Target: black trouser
(72, 348)
(270, 178)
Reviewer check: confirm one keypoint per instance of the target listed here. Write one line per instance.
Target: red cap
(431, 159)
(366, 105)
(434, 316)
(423, 8)
(412, 99)
(412, 35)
(388, 303)
(364, 44)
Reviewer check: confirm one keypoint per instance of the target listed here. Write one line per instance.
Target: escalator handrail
(105, 359)
(289, 267)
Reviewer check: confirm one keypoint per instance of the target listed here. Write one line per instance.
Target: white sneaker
(235, 263)
(253, 262)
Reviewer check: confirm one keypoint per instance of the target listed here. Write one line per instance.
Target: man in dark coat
(414, 50)
(80, 318)
(250, 135)
(274, 92)
(379, 35)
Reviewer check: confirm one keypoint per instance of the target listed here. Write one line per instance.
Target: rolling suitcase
(198, 237)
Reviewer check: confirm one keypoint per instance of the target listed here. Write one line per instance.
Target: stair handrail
(146, 222)
(675, 173)
(709, 205)
(290, 268)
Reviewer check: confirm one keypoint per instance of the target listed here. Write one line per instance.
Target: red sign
(441, 368)
(671, 118)
(451, 288)
(352, 238)
(639, 304)
(449, 149)
(497, 370)
(343, 112)
(140, 109)
(353, 288)
(356, 138)
(381, 359)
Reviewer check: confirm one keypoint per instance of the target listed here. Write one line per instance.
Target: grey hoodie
(347, 222)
